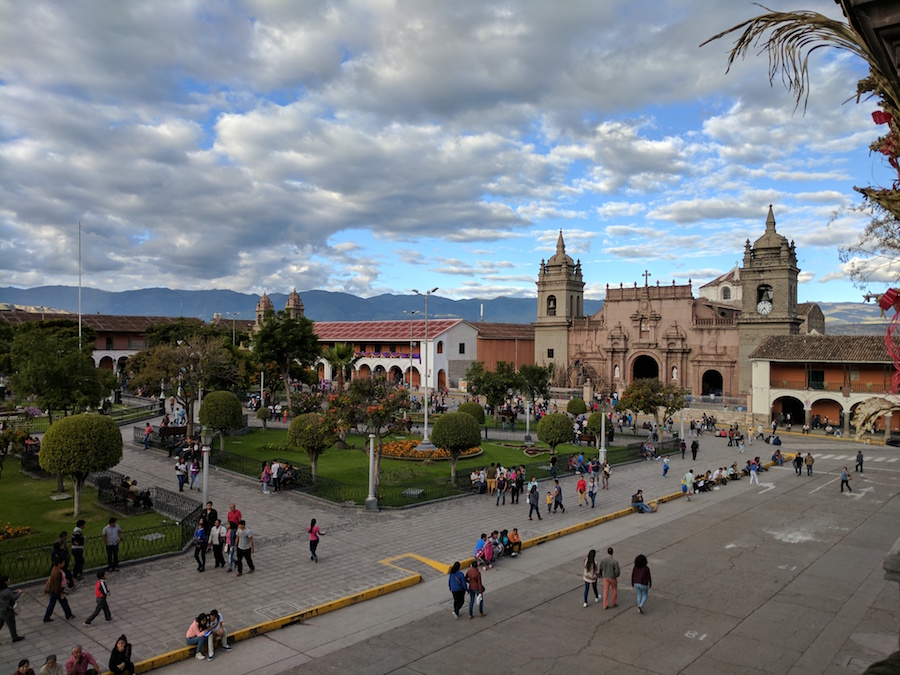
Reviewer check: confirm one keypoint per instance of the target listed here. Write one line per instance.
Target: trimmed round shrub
(473, 409)
(554, 429)
(576, 406)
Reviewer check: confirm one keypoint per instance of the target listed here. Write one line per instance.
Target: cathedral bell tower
(769, 288)
(560, 300)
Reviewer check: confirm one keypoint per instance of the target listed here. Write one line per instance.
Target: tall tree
(182, 370)
(374, 401)
(535, 383)
(290, 343)
(554, 429)
(79, 445)
(341, 358)
(496, 386)
(650, 396)
(48, 366)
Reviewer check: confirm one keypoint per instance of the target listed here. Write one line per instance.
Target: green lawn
(351, 466)
(25, 501)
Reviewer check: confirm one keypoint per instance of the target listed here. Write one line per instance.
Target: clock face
(764, 307)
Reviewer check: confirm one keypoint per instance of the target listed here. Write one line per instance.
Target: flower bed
(9, 532)
(408, 450)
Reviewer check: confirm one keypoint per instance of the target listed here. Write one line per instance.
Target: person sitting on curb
(637, 501)
(199, 634)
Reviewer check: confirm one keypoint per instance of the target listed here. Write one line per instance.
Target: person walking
(476, 589)
(754, 472)
(845, 480)
(502, 487)
(8, 601)
(201, 543)
(605, 473)
(590, 574)
(695, 446)
(808, 460)
(217, 535)
(457, 582)
(195, 473)
(244, 548)
(592, 491)
(534, 502)
(581, 489)
(314, 534)
(78, 549)
(181, 473)
(641, 581)
(557, 496)
(687, 484)
(54, 587)
(101, 593)
(610, 571)
(148, 432)
(112, 535)
(858, 467)
(682, 445)
(798, 464)
(665, 465)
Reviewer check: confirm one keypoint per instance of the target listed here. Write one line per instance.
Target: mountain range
(840, 317)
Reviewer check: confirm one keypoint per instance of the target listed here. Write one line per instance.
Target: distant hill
(840, 317)
(318, 305)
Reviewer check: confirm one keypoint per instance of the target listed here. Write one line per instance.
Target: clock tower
(769, 289)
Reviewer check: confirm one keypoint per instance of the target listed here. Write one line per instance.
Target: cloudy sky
(377, 146)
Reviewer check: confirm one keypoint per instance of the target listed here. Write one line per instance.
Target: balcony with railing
(855, 387)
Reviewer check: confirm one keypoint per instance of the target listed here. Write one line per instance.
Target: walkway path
(153, 603)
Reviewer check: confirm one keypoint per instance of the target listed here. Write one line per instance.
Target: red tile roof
(504, 331)
(382, 331)
(814, 347)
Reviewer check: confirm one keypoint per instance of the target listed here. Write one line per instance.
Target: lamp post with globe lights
(425, 442)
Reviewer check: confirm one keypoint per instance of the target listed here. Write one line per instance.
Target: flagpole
(79, 285)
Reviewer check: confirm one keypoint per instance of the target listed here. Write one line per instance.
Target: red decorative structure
(891, 300)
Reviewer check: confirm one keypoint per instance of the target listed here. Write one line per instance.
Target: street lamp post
(425, 441)
(206, 439)
(233, 316)
(411, 312)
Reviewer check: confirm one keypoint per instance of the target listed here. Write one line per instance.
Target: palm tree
(792, 37)
(341, 358)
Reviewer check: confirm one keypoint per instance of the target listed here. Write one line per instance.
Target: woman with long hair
(314, 534)
(590, 575)
(640, 579)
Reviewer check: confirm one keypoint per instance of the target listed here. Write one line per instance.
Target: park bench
(589, 439)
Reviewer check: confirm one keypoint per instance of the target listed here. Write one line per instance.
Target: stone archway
(788, 405)
(107, 363)
(364, 371)
(712, 383)
(395, 375)
(416, 382)
(644, 368)
(441, 379)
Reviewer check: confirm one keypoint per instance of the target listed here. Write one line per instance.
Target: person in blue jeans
(198, 634)
(640, 579)
(637, 501)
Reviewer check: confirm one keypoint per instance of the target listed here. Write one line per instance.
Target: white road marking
(825, 485)
(766, 487)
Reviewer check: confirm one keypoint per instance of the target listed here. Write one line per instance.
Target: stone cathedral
(701, 343)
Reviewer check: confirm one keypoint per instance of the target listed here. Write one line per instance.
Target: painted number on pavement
(691, 634)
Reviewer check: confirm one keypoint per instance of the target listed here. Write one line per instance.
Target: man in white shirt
(217, 540)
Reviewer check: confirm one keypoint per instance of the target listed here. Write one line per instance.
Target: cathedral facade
(701, 344)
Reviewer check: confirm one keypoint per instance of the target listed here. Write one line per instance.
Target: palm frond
(790, 38)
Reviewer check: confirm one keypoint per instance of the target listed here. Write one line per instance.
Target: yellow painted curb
(268, 626)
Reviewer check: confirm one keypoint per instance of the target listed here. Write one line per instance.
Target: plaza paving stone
(154, 602)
